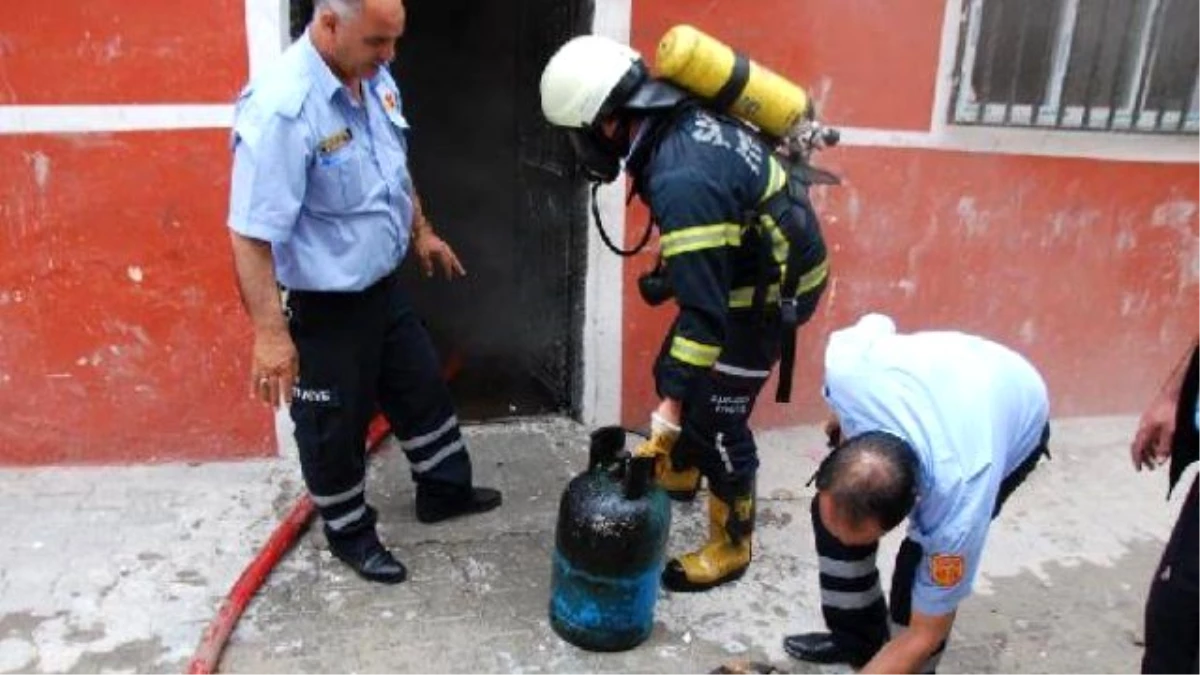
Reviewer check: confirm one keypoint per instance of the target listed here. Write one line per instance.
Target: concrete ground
(119, 569)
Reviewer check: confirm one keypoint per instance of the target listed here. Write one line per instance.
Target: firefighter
(938, 427)
(322, 204)
(728, 226)
(1168, 429)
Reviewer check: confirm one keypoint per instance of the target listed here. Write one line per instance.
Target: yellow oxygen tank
(711, 69)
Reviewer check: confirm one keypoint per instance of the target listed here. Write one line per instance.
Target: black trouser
(852, 601)
(1171, 609)
(360, 352)
(716, 436)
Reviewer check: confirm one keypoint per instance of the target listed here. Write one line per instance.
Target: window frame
(1130, 116)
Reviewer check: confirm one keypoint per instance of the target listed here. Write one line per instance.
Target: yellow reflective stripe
(740, 298)
(779, 242)
(776, 179)
(813, 278)
(694, 353)
(701, 237)
(743, 297)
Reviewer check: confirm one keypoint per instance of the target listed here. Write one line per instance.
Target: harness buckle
(788, 313)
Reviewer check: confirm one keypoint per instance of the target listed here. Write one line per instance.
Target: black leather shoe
(372, 562)
(821, 648)
(436, 505)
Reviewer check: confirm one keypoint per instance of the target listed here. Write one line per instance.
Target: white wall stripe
(266, 31)
(1118, 147)
(53, 119)
(603, 343)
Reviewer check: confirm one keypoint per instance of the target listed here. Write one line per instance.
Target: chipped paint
(40, 164)
(1179, 213)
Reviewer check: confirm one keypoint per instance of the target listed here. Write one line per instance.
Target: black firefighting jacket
(706, 180)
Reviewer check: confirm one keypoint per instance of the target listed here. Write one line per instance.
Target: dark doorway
(496, 183)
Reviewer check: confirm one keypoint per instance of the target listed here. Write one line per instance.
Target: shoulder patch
(946, 570)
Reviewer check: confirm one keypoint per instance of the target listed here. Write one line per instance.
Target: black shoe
(371, 561)
(821, 648)
(436, 505)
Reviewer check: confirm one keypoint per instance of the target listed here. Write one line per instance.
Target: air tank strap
(729, 92)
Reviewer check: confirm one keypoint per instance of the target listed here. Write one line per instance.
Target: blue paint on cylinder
(600, 612)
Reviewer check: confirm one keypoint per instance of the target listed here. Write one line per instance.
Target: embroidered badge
(389, 101)
(334, 142)
(946, 570)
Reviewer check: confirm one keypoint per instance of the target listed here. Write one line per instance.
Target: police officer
(322, 203)
(728, 226)
(1169, 428)
(943, 424)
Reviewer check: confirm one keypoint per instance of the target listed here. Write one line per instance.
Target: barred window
(1105, 65)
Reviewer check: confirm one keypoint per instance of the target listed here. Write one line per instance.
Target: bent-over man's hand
(433, 252)
(275, 369)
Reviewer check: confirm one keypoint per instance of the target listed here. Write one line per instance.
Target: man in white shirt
(939, 427)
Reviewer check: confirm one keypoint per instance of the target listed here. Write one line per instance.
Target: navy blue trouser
(716, 436)
(1172, 618)
(361, 352)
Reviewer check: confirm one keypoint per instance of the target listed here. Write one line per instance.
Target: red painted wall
(123, 51)
(1088, 267)
(122, 339)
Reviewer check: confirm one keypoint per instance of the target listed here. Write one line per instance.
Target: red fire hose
(212, 642)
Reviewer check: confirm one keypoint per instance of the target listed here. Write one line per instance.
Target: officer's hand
(275, 369)
(1152, 444)
(432, 252)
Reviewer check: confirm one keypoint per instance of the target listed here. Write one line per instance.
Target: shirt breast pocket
(335, 181)
(394, 153)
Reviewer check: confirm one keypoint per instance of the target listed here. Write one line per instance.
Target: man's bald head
(870, 479)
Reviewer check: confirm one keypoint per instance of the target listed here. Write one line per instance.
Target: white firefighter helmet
(587, 78)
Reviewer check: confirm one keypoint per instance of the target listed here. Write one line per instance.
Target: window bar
(991, 60)
(967, 46)
(1062, 56)
(1158, 45)
(1188, 100)
(1117, 63)
(1149, 49)
(1097, 51)
(1047, 59)
(1016, 74)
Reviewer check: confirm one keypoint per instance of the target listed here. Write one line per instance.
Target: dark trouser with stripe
(716, 436)
(360, 352)
(851, 597)
(1171, 609)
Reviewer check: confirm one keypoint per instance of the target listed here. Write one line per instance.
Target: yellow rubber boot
(726, 555)
(680, 484)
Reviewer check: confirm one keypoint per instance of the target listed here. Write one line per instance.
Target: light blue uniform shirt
(972, 409)
(321, 176)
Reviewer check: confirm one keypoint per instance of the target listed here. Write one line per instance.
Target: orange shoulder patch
(946, 570)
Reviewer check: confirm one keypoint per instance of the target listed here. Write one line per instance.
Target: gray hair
(343, 8)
